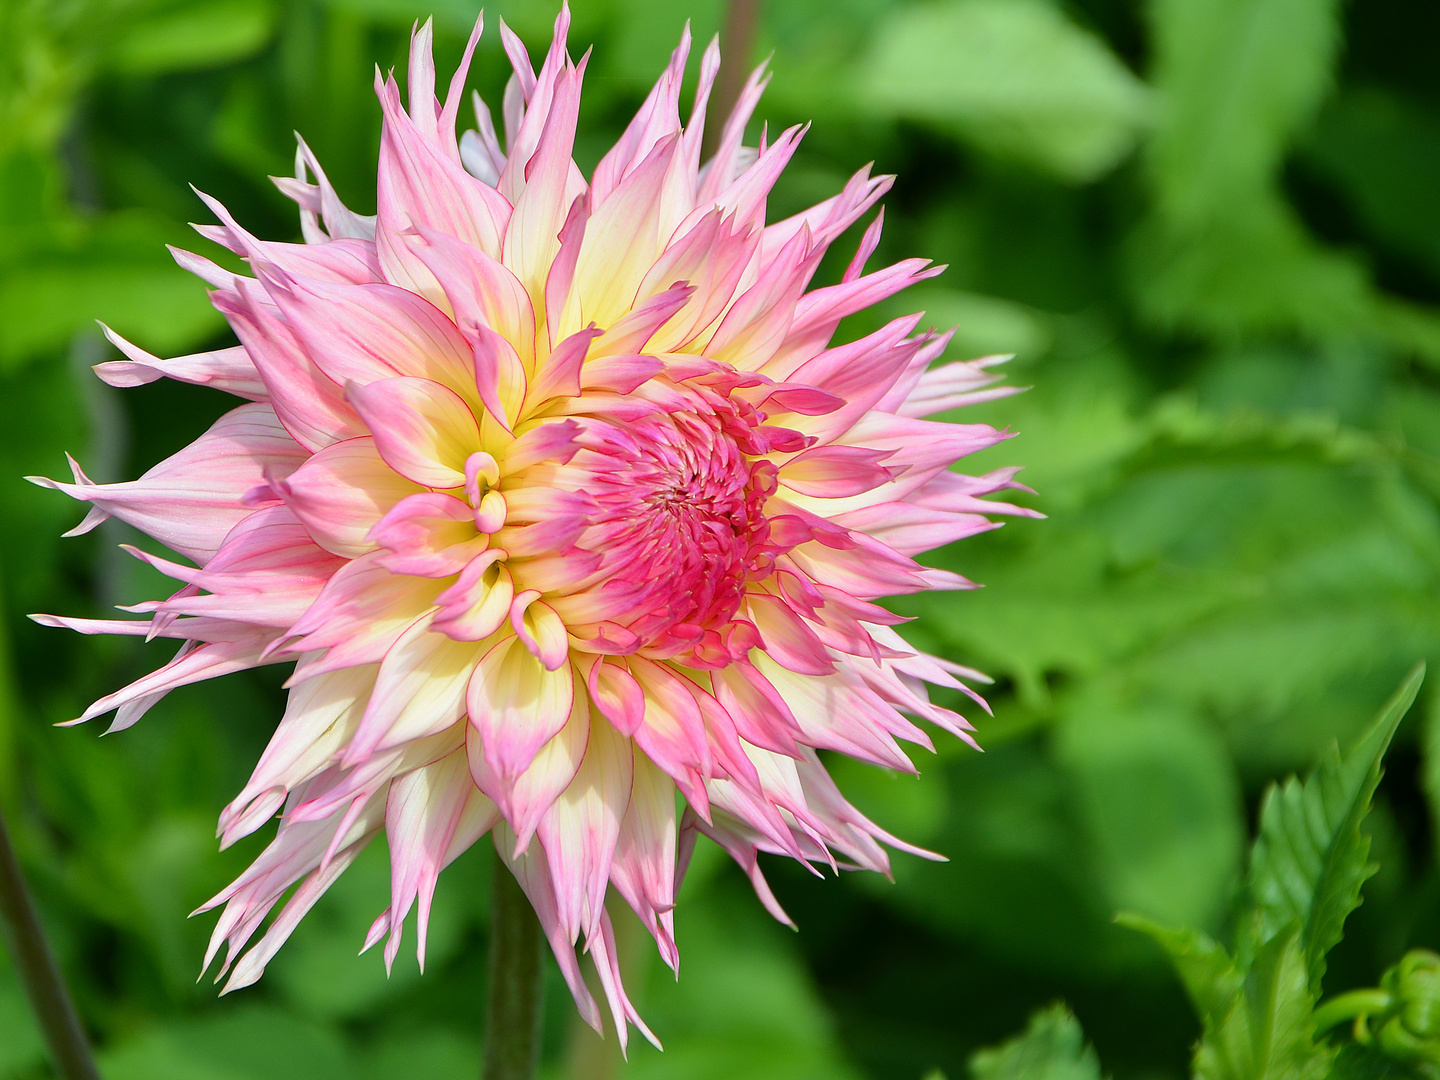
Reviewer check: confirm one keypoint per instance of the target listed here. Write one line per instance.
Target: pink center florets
(680, 526)
(666, 510)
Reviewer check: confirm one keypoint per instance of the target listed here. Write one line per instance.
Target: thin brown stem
(39, 974)
(512, 1024)
(737, 43)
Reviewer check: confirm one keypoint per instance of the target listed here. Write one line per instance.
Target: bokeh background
(1210, 232)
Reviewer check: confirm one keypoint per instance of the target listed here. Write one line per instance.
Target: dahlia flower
(560, 502)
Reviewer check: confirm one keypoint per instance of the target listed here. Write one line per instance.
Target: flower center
(679, 527)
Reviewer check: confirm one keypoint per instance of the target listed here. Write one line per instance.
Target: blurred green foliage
(1210, 230)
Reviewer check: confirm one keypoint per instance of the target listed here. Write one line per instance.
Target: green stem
(512, 1024)
(39, 974)
(1349, 1006)
(737, 42)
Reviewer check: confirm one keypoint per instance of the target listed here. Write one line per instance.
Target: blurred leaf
(1020, 878)
(1223, 253)
(431, 1054)
(744, 1008)
(1251, 270)
(645, 32)
(1016, 77)
(192, 35)
(43, 58)
(1175, 861)
(1052, 1047)
(320, 971)
(455, 14)
(1384, 152)
(1238, 77)
(1430, 770)
(21, 1047)
(251, 1043)
(120, 274)
(1310, 859)
(9, 716)
(984, 324)
(1203, 965)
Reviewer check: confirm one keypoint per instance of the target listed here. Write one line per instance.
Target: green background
(1210, 231)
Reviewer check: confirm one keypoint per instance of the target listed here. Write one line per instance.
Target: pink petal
(191, 501)
(643, 868)
(617, 695)
(230, 370)
(526, 798)
(580, 830)
(429, 534)
(424, 431)
(342, 492)
(517, 705)
(479, 602)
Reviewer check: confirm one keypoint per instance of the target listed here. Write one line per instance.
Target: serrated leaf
(1311, 857)
(1052, 1047)
(1268, 1034)
(1016, 77)
(1203, 965)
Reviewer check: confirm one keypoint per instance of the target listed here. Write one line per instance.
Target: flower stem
(512, 1024)
(737, 42)
(39, 974)
(1355, 1004)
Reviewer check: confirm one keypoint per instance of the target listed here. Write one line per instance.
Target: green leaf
(1257, 1023)
(120, 273)
(1384, 153)
(1268, 1032)
(1204, 967)
(1016, 77)
(254, 1043)
(1052, 1047)
(194, 35)
(1238, 77)
(1310, 859)
(1358, 1062)
(984, 324)
(1224, 252)
(1176, 861)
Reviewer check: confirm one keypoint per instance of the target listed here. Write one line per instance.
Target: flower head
(558, 498)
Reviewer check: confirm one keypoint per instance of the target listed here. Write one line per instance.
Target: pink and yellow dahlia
(560, 501)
